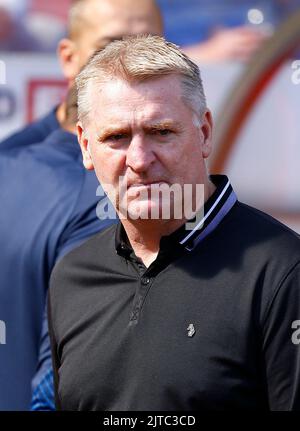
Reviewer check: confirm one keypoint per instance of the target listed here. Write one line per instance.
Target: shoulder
(57, 155)
(93, 250)
(252, 245)
(50, 171)
(93, 255)
(82, 267)
(254, 224)
(57, 151)
(258, 247)
(32, 133)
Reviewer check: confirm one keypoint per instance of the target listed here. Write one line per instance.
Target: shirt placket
(145, 282)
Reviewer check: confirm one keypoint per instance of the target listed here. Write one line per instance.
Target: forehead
(153, 99)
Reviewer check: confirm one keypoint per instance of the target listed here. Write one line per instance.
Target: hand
(238, 43)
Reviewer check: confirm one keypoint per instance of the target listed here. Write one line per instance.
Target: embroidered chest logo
(191, 330)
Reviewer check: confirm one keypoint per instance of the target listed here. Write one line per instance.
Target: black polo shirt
(209, 325)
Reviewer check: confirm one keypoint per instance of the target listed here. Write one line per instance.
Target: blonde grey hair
(138, 58)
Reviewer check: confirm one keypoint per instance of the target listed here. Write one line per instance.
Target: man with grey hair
(198, 311)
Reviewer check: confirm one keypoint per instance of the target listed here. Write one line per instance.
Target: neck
(61, 113)
(145, 235)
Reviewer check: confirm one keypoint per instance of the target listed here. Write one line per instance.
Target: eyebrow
(159, 125)
(113, 130)
(164, 124)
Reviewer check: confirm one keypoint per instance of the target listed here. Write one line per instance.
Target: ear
(84, 145)
(69, 59)
(206, 129)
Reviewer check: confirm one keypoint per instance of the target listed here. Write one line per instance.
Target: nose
(140, 155)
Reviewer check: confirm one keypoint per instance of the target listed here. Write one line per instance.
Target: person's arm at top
(227, 44)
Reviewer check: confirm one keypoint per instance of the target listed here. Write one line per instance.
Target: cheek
(109, 166)
(190, 166)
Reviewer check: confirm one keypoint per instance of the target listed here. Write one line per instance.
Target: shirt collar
(215, 209)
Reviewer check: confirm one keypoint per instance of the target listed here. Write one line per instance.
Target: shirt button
(146, 280)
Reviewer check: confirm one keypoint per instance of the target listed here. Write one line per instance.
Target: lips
(145, 184)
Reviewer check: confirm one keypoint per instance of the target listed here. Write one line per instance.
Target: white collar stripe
(207, 214)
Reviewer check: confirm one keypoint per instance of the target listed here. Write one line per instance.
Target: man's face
(144, 133)
(108, 20)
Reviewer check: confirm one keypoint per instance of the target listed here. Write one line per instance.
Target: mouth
(145, 184)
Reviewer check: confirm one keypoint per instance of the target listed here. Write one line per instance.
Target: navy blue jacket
(48, 206)
(32, 133)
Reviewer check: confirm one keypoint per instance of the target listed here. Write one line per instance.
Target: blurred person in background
(204, 30)
(208, 30)
(44, 216)
(91, 25)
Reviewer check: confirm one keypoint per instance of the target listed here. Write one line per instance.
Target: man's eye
(117, 137)
(114, 139)
(162, 132)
